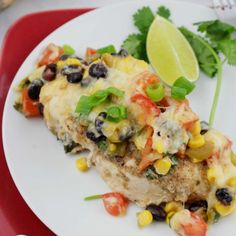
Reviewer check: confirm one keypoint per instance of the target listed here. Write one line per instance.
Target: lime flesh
(169, 52)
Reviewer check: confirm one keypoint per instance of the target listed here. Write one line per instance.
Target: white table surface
(23, 7)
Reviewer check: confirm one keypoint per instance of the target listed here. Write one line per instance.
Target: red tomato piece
(146, 78)
(145, 160)
(197, 228)
(90, 52)
(115, 203)
(148, 105)
(30, 107)
(51, 54)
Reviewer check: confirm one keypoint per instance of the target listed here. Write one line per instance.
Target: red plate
(15, 216)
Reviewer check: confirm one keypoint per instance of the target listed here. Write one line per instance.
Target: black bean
(204, 127)
(75, 77)
(41, 108)
(194, 206)
(223, 195)
(99, 121)
(123, 53)
(92, 136)
(98, 70)
(64, 57)
(34, 89)
(158, 212)
(50, 72)
(66, 70)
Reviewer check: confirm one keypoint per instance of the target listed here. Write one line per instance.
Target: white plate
(47, 178)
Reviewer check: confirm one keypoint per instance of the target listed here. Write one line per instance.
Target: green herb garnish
(68, 50)
(216, 48)
(164, 12)
(181, 88)
(108, 49)
(94, 197)
(102, 145)
(116, 113)
(135, 44)
(178, 93)
(155, 92)
(87, 103)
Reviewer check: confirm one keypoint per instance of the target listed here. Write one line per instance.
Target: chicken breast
(187, 180)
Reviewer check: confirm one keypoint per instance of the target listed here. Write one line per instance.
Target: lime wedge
(169, 52)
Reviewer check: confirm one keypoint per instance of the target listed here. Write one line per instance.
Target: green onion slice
(94, 197)
(155, 92)
(116, 113)
(68, 50)
(178, 93)
(87, 103)
(108, 49)
(182, 82)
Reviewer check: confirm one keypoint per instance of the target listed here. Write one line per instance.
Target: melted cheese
(168, 131)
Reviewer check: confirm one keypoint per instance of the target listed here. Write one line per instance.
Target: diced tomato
(90, 52)
(197, 228)
(115, 203)
(30, 107)
(146, 156)
(187, 223)
(148, 105)
(51, 54)
(164, 102)
(146, 78)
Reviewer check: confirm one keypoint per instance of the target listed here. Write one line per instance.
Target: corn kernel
(160, 148)
(232, 182)
(211, 175)
(172, 206)
(225, 210)
(72, 61)
(112, 147)
(97, 61)
(81, 164)
(233, 158)
(196, 128)
(86, 73)
(60, 64)
(145, 218)
(162, 166)
(168, 217)
(196, 141)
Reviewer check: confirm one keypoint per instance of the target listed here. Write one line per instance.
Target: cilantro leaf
(164, 12)
(143, 19)
(133, 44)
(216, 30)
(228, 48)
(206, 59)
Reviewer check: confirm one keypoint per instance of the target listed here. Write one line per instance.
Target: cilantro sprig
(135, 44)
(214, 45)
